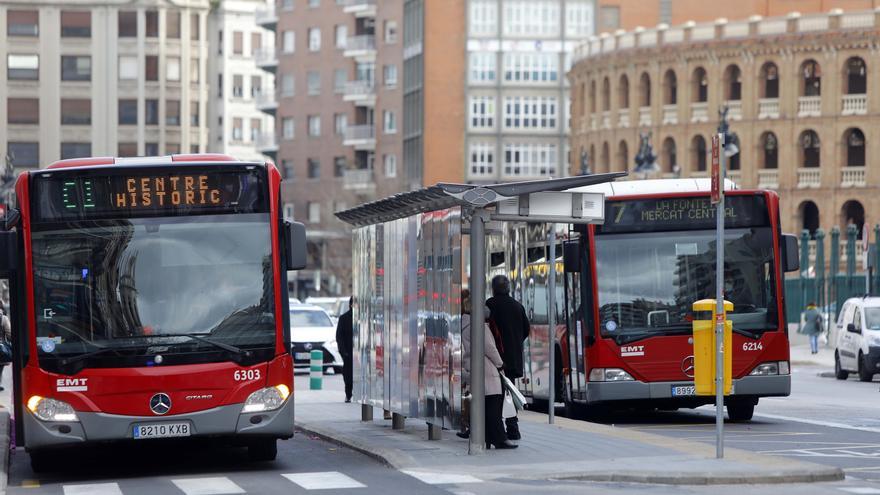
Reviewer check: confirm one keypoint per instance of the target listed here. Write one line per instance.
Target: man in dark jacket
(345, 342)
(509, 317)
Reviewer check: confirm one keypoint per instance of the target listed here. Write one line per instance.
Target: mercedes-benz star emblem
(308, 346)
(160, 404)
(687, 366)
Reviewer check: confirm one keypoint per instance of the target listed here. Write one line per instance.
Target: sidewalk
(800, 351)
(569, 449)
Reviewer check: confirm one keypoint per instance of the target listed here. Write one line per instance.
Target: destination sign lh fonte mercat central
(687, 213)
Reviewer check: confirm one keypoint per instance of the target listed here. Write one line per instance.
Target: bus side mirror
(295, 245)
(790, 259)
(571, 256)
(8, 253)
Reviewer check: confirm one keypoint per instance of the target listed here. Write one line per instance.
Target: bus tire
(40, 461)
(865, 373)
(839, 372)
(263, 449)
(740, 410)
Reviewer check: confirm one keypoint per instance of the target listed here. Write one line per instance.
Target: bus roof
(654, 186)
(144, 160)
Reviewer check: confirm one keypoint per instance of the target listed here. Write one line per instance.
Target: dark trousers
(347, 376)
(494, 426)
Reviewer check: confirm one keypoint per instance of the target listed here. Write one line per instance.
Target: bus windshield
(648, 282)
(124, 291)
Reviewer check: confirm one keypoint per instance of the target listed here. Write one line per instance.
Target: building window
(340, 79)
(194, 113)
(288, 39)
(125, 150)
(314, 125)
(482, 160)
(256, 129)
(770, 81)
(151, 112)
(23, 111)
(151, 68)
(530, 112)
(812, 80)
(810, 148)
(22, 67)
(340, 122)
(194, 148)
(483, 67)
(699, 147)
(237, 129)
(237, 43)
(482, 112)
(75, 150)
(365, 72)
(288, 87)
(256, 86)
(339, 166)
(194, 70)
(531, 18)
(172, 68)
(314, 39)
(609, 18)
(314, 82)
(287, 5)
(670, 156)
(770, 148)
(340, 33)
(194, 28)
(389, 122)
(172, 112)
(314, 3)
(623, 93)
(578, 19)
(644, 90)
(76, 24)
(128, 112)
(22, 23)
(127, 25)
(854, 140)
(76, 111)
(314, 168)
(128, 67)
(24, 154)
(856, 76)
(76, 68)
(172, 148)
(530, 159)
(389, 74)
(809, 215)
(314, 211)
(237, 86)
(172, 24)
(531, 67)
(256, 42)
(606, 94)
(287, 128)
(670, 88)
(484, 18)
(733, 83)
(390, 164)
(700, 85)
(287, 169)
(390, 31)
(152, 24)
(151, 149)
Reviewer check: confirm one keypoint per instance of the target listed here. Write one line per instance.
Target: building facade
(799, 94)
(100, 78)
(242, 102)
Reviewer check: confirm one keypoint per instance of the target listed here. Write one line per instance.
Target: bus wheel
(865, 373)
(740, 410)
(263, 449)
(839, 372)
(40, 461)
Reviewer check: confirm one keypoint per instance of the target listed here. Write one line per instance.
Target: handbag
(515, 395)
(508, 409)
(5, 353)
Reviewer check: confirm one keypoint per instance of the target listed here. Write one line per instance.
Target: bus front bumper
(223, 421)
(751, 386)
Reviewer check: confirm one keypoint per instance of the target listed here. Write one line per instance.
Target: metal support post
(719, 312)
(477, 441)
(551, 312)
(366, 412)
(398, 421)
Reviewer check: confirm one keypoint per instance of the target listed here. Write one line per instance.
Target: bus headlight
(766, 369)
(610, 375)
(48, 409)
(266, 399)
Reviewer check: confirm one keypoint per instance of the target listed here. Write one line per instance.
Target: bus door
(576, 328)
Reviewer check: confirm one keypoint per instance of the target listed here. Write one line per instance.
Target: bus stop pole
(719, 308)
(477, 440)
(551, 327)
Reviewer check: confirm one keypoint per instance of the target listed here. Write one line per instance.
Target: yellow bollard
(705, 348)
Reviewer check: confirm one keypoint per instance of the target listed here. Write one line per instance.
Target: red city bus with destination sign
(625, 294)
(149, 301)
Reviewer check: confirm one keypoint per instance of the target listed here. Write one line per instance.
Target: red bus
(625, 291)
(149, 300)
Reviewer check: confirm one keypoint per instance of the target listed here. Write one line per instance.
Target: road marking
(30, 484)
(432, 478)
(861, 490)
(207, 486)
(329, 480)
(829, 424)
(93, 489)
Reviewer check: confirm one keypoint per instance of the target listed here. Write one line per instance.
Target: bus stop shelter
(409, 269)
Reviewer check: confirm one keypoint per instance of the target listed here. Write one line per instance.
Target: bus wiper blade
(87, 355)
(226, 347)
(746, 333)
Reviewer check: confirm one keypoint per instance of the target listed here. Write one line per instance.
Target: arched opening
(770, 150)
(732, 83)
(809, 144)
(591, 159)
(606, 95)
(733, 161)
(623, 92)
(622, 157)
(606, 157)
(669, 161)
(582, 96)
(854, 142)
(856, 74)
(769, 80)
(811, 82)
(645, 90)
(698, 145)
(700, 85)
(592, 96)
(670, 88)
(852, 213)
(808, 213)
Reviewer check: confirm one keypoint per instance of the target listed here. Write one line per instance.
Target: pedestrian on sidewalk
(510, 328)
(345, 343)
(812, 326)
(493, 363)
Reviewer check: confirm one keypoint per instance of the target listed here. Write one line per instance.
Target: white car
(857, 339)
(312, 329)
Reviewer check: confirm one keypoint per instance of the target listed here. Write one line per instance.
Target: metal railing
(265, 56)
(361, 43)
(359, 88)
(360, 132)
(358, 179)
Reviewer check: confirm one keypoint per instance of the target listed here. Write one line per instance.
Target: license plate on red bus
(302, 356)
(683, 390)
(160, 430)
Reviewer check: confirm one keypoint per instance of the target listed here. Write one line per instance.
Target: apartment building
(242, 106)
(102, 78)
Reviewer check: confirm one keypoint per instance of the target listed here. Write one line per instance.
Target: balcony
(362, 48)
(266, 17)
(623, 118)
(768, 108)
(700, 112)
(594, 122)
(734, 109)
(266, 102)
(644, 116)
(735, 176)
(854, 104)
(360, 8)
(809, 106)
(267, 143)
(809, 178)
(852, 177)
(606, 120)
(266, 59)
(359, 180)
(670, 114)
(361, 137)
(768, 179)
(362, 93)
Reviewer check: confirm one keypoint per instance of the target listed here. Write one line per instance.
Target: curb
(391, 458)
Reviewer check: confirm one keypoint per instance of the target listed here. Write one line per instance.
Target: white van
(857, 339)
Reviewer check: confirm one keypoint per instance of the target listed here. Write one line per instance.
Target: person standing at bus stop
(345, 342)
(508, 317)
(812, 326)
